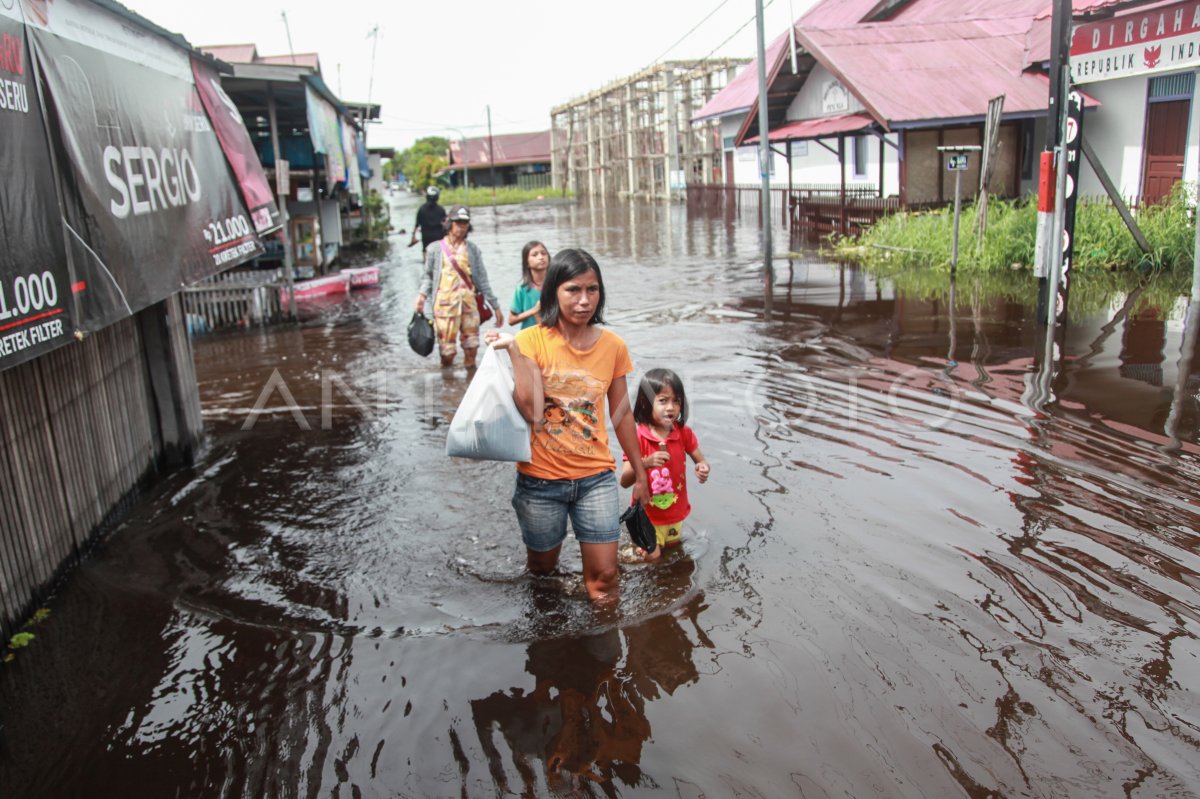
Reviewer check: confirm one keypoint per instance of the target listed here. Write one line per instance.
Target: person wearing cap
(431, 220)
(454, 271)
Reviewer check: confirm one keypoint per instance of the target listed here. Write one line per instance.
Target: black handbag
(641, 530)
(420, 334)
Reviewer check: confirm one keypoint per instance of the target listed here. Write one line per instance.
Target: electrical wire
(689, 33)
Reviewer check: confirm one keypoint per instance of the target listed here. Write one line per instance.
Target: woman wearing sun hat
(454, 270)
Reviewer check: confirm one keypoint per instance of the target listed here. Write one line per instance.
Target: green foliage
(425, 171)
(25, 638)
(1102, 242)
(376, 221)
(505, 195)
(420, 162)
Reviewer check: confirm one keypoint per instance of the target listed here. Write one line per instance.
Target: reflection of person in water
(585, 717)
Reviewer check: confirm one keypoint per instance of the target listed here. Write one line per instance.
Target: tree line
(420, 163)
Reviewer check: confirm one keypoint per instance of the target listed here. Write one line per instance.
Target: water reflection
(941, 553)
(582, 717)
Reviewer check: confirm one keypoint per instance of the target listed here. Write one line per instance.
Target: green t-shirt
(524, 298)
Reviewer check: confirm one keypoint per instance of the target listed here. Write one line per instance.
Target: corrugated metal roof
(248, 54)
(510, 149)
(298, 59)
(935, 71)
(819, 128)
(924, 61)
(935, 59)
(741, 92)
(233, 53)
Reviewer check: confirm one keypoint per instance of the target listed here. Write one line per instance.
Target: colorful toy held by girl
(661, 413)
(526, 302)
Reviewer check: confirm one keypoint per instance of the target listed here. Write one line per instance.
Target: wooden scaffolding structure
(634, 137)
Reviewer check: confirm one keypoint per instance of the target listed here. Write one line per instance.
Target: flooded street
(918, 569)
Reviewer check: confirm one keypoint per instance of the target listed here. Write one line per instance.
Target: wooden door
(729, 168)
(1166, 135)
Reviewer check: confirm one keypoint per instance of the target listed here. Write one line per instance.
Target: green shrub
(1102, 242)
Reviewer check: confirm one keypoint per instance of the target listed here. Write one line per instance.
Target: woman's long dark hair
(567, 265)
(653, 382)
(526, 273)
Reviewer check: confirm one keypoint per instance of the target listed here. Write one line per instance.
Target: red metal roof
(818, 128)
(510, 149)
(934, 60)
(232, 53)
(248, 54)
(741, 92)
(298, 59)
(928, 62)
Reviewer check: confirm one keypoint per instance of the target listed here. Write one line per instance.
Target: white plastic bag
(487, 425)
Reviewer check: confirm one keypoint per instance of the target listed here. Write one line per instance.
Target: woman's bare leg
(542, 562)
(601, 576)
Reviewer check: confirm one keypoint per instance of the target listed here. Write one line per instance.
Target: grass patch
(1102, 242)
(505, 195)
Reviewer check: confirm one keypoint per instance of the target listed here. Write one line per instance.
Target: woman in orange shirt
(566, 368)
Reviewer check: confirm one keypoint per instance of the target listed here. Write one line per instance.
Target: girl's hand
(654, 460)
(650, 557)
(499, 316)
(419, 305)
(702, 471)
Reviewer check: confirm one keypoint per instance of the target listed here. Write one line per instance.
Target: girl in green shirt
(535, 258)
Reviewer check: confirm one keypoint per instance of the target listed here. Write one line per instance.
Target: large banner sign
(149, 203)
(239, 150)
(36, 308)
(1162, 39)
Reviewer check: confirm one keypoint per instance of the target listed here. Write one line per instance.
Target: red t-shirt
(669, 488)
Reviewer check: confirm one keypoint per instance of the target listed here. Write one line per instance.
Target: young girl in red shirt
(661, 412)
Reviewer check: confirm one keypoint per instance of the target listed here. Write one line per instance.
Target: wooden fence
(234, 299)
(83, 427)
(809, 211)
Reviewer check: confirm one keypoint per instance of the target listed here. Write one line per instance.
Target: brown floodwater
(928, 563)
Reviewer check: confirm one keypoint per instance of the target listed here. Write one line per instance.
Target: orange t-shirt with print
(572, 439)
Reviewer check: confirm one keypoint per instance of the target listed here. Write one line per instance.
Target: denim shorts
(543, 507)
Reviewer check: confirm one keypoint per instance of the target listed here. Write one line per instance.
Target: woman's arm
(480, 276)
(527, 377)
(622, 419)
(431, 256)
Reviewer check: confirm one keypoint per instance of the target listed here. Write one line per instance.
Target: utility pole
(287, 28)
(1047, 237)
(764, 142)
(491, 160)
(373, 35)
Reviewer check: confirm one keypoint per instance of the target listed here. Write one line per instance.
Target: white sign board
(1163, 39)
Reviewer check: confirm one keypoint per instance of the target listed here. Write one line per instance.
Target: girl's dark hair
(653, 382)
(567, 265)
(526, 274)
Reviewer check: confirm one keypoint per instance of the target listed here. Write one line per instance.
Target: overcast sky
(439, 65)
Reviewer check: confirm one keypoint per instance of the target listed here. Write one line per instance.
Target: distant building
(515, 159)
(321, 138)
(862, 92)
